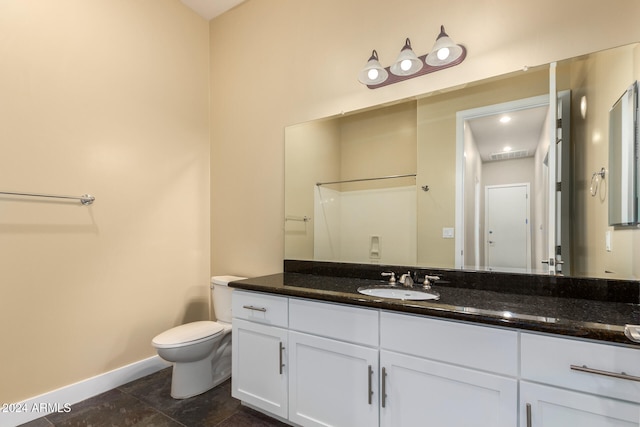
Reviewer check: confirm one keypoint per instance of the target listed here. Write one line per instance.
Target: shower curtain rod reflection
(85, 199)
(366, 179)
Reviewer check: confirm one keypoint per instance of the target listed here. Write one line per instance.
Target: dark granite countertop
(569, 316)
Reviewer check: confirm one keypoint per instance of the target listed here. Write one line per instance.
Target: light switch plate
(447, 233)
(607, 240)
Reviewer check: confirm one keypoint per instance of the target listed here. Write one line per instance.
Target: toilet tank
(221, 296)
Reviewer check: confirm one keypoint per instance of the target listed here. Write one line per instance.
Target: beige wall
(280, 62)
(108, 97)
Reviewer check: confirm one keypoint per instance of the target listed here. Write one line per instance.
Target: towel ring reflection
(596, 180)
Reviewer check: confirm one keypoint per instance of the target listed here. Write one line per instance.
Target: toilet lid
(186, 333)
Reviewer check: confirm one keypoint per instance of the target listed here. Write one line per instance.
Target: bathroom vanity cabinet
(259, 342)
(320, 363)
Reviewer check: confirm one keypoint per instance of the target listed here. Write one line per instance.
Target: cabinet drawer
(480, 347)
(567, 363)
(263, 308)
(352, 324)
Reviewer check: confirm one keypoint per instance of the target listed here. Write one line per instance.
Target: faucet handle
(428, 279)
(392, 278)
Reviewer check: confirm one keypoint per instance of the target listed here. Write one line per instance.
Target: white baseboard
(59, 400)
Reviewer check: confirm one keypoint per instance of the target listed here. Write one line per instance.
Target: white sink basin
(397, 292)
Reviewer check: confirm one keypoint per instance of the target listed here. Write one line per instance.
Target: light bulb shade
(407, 63)
(444, 51)
(373, 73)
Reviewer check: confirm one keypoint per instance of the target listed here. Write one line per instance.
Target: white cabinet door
(417, 391)
(259, 371)
(332, 383)
(544, 406)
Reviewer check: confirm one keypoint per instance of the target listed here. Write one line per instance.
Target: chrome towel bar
(297, 218)
(85, 199)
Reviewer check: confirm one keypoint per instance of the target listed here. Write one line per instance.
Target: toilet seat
(188, 334)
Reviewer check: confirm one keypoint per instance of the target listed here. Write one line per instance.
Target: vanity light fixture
(445, 54)
(373, 73)
(407, 63)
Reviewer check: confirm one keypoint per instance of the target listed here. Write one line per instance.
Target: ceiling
(521, 133)
(209, 9)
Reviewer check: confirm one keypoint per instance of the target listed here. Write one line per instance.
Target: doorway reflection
(505, 186)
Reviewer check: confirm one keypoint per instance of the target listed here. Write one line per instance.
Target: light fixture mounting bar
(425, 70)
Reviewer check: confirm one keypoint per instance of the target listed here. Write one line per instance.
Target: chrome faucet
(407, 280)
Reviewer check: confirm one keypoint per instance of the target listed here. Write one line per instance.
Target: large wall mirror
(461, 178)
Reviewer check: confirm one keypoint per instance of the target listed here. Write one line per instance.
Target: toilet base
(190, 379)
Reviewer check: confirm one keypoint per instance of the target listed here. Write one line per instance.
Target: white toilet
(200, 351)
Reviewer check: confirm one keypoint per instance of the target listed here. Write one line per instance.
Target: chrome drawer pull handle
(529, 424)
(281, 364)
(383, 391)
(621, 375)
(370, 390)
(250, 307)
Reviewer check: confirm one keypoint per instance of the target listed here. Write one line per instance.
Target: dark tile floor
(147, 402)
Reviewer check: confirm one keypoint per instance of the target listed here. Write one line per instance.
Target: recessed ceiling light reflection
(583, 106)
(505, 119)
(596, 137)
(507, 149)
